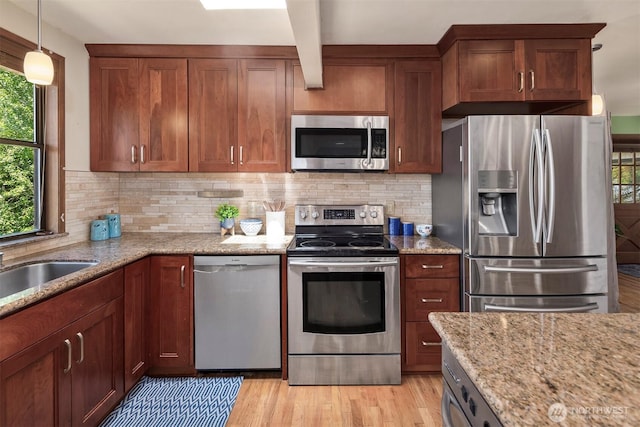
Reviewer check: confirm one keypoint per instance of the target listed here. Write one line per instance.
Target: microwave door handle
(368, 161)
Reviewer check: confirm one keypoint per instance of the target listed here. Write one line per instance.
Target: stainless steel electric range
(343, 297)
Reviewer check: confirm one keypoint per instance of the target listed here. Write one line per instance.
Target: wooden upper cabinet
(418, 123)
(213, 115)
(139, 114)
(348, 87)
(261, 116)
(517, 68)
(163, 115)
(114, 114)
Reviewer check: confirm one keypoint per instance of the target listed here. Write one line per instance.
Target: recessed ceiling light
(243, 4)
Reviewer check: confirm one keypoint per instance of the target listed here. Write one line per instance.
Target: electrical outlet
(389, 207)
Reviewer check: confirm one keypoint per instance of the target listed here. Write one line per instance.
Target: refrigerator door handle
(535, 172)
(555, 270)
(578, 309)
(551, 197)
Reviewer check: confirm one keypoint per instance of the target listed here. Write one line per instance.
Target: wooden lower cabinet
(136, 296)
(429, 283)
(171, 315)
(74, 375)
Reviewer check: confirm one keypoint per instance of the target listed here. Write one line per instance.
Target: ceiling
(616, 65)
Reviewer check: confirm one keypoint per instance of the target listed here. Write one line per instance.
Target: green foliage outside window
(17, 162)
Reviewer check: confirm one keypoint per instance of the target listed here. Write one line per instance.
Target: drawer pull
(426, 267)
(430, 344)
(426, 300)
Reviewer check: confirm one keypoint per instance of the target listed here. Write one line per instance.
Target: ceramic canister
(99, 229)
(407, 228)
(114, 224)
(394, 226)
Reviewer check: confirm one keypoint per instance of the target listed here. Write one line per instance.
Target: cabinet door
(171, 315)
(163, 115)
(418, 145)
(114, 114)
(213, 115)
(97, 372)
(261, 116)
(349, 87)
(558, 69)
(491, 70)
(136, 295)
(34, 389)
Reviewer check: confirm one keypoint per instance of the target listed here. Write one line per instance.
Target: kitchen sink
(33, 275)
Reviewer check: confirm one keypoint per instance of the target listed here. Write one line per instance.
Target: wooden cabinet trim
(190, 51)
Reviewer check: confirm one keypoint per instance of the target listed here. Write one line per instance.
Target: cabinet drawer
(423, 345)
(432, 266)
(426, 295)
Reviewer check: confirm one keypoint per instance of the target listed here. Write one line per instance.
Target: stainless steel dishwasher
(237, 312)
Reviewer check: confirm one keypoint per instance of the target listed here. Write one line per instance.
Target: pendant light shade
(38, 66)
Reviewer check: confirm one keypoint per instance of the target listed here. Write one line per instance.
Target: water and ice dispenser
(498, 202)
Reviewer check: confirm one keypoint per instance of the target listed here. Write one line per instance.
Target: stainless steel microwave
(339, 143)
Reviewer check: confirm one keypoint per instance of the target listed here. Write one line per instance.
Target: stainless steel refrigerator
(528, 200)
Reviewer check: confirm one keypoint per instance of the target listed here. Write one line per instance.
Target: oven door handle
(342, 264)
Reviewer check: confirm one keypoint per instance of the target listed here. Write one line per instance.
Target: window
(625, 174)
(21, 159)
(31, 176)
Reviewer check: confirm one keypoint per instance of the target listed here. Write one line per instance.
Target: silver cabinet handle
(142, 154)
(426, 300)
(399, 155)
(520, 81)
(542, 270)
(579, 309)
(533, 80)
(241, 156)
(182, 276)
(430, 344)
(427, 267)
(233, 160)
(67, 343)
(81, 339)
(133, 154)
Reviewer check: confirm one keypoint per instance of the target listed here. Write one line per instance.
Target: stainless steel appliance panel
(301, 342)
(536, 276)
(576, 185)
(499, 165)
(237, 312)
(344, 369)
(542, 304)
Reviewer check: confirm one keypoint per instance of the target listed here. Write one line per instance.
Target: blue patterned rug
(176, 402)
(630, 269)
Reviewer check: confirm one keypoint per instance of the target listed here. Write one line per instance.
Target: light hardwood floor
(272, 402)
(629, 299)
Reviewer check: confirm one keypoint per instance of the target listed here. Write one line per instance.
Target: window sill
(16, 243)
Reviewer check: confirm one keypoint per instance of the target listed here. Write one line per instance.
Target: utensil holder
(275, 224)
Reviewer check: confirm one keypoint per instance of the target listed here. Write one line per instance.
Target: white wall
(19, 22)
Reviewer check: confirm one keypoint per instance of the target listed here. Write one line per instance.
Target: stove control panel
(339, 215)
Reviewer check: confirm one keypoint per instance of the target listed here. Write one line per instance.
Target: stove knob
(374, 214)
(315, 214)
(303, 214)
(363, 214)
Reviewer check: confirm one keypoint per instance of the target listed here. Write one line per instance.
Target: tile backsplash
(169, 202)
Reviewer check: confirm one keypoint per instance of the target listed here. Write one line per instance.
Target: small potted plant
(227, 213)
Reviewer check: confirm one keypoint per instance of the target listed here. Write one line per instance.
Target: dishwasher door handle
(227, 267)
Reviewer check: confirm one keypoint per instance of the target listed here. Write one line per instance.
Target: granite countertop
(115, 253)
(522, 364)
(423, 245)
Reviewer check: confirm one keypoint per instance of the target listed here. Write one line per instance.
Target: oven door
(344, 305)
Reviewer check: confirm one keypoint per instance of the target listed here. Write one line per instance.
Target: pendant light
(597, 100)
(38, 67)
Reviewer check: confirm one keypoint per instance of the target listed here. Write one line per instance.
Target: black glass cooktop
(340, 245)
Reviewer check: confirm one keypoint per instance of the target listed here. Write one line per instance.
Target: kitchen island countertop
(587, 366)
